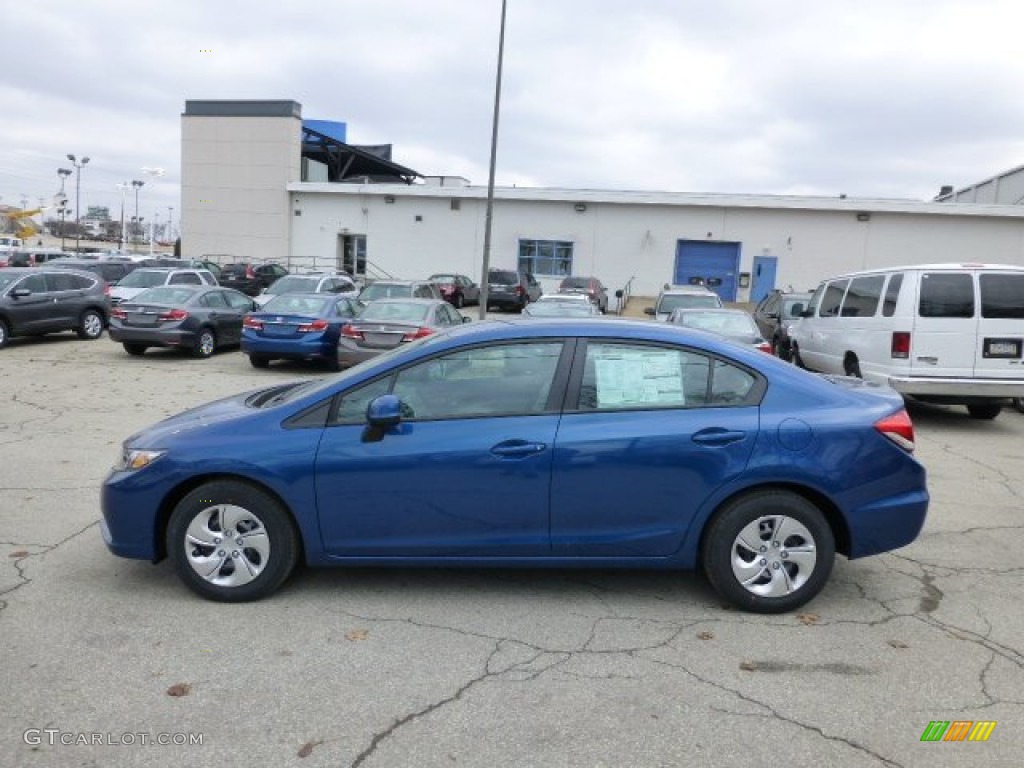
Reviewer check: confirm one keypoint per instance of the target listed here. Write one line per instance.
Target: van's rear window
(1002, 296)
(946, 294)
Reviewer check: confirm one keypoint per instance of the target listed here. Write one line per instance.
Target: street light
(62, 210)
(78, 194)
(138, 185)
(63, 173)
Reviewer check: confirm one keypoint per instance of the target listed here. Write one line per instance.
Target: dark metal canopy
(346, 163)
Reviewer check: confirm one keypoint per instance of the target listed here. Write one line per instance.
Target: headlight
(135, 459)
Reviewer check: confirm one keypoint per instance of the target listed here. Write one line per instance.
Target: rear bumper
(296, 349)
(153, 337)
(973, 388)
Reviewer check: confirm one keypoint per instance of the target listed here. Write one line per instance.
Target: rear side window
(862, 298)
(1002, 296)
(892, 293)
(946, 295)
(833, 298)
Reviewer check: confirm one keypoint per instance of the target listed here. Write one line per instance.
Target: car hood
(202, 417)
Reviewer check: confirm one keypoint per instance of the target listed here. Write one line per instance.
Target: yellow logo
(958, 730)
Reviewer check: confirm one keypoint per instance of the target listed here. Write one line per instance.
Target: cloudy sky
(871, 98)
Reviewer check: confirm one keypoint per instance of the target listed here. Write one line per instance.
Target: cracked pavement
(437, 667)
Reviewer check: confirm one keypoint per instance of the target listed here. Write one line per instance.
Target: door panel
(763, 278)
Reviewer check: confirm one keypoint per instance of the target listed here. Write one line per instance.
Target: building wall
(235, 171)
(622, 241)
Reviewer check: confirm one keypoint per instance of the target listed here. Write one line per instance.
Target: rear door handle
(517, 449)
(718, 436)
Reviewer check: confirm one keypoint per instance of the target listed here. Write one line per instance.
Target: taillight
(251, 322)
(250, 272)
(764, 346)
(316, 325)
(173, 315)
(120, 314)
(350, 332)
(419, 333)
(519, 290)
(901, 344)
(898, 428)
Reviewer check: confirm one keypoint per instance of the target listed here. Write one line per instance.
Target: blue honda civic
(297, 326)
(573, 443)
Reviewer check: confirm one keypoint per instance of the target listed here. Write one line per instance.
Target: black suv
(248, 278)
(507, 289)
(774, 314)
(41, 300)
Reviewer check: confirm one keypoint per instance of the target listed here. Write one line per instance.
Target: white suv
(134, 283)
(943, 333)
(683, 297)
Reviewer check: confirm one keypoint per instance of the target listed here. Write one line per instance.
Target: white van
(942, 333)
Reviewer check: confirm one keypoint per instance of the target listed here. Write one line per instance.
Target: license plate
(141, 319)
(279, 330)
(382, 339)
(1002, 348)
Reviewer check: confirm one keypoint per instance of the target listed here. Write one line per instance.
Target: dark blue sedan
(297, 326)
(573, 443)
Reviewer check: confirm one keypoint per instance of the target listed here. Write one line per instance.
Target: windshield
(375, 291)
(574, 282)
(165, 294)
(143, 278)
(292, 284)
(395, 311)
(688, 301)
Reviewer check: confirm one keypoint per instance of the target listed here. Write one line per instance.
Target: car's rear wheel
(459, 302)
(768, 552)
(984, 410)
(5, 334)
(258, 361)
(90, 325)
(206, 343)
(231, 542)
(134, 349)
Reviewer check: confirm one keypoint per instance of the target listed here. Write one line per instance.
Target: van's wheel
(231, 542)
(795, 356)
(768, 552)
(852, 367)
(1018, 402)
(90, 325)
(984, 411)
(206, 343)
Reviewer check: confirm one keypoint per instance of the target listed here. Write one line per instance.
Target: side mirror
(619, 294)
(466, 319)
(649, 311)
(384, 411)
(804, 313)
(772, 315)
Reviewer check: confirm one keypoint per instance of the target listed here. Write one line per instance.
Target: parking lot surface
(434, 667)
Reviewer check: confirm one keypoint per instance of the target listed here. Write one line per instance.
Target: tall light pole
(63, 173)
(169, 237)
(138, 185)
(486, 265)
(123, 186)
(78, 197)
(63, 212)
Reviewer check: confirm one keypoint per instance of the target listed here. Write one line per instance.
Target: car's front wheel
(231, 542)
(1018, 402)
(134, 349)
(90, 325)
(768, 551)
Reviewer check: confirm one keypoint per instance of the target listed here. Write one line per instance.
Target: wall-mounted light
(710, 235)
(863, 216)
(389, 199)
(580, 207)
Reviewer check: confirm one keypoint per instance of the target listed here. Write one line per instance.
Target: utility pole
(486, 265)
(78, 197)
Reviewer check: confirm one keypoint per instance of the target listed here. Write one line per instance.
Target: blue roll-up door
(714, 264)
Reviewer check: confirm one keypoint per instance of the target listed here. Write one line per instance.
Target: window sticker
(633, 377)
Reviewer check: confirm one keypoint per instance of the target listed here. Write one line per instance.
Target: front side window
(552, 258)
(498, 380)
(34, 283)
(946, 294)
(833, 298)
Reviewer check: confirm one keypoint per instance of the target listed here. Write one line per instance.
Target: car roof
(947, 267)
(683, 289)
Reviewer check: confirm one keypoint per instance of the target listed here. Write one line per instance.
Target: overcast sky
(871, 98)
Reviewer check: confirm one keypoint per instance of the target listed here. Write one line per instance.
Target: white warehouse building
(259, 184)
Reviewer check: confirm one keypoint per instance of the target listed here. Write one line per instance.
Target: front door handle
(517, 449)
(718, 436)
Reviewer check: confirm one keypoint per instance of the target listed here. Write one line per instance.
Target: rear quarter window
(1002, 296)
(833, 298)
(862, 297)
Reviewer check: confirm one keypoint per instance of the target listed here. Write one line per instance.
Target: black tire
(851, 366)
(1018, 402)
(206, 343)
(255, 518)
(986, 411)
(795, 355)
(806, 526)
(258, 361)
(135, 350)
(459, 302)
(5, 334)
(90, 325)
(332, 364)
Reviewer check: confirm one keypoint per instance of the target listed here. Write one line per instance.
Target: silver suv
(683, 297)
(150, 277)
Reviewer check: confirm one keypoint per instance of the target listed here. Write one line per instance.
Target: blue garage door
(699, 262)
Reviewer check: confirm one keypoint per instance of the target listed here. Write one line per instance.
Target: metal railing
(622, 296)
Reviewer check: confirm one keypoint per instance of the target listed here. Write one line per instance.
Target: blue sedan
(573, 443)
(297, 326)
